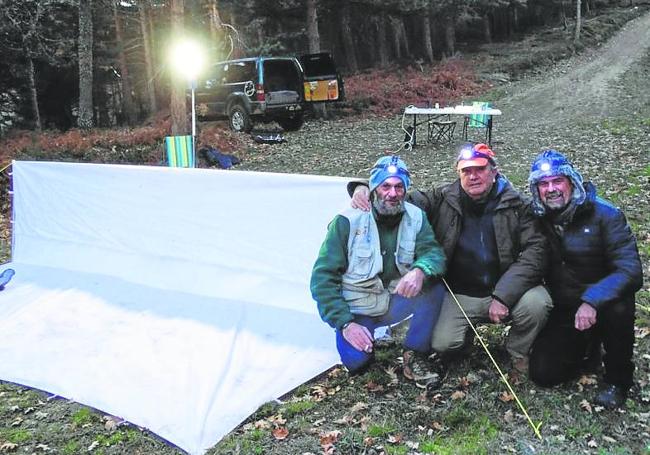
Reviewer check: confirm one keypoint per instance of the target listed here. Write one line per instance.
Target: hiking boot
(611, 396)
(417, 368)
(520, 364)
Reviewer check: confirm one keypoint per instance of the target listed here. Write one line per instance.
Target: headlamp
(466, 153)
(545, 166)
(393, 167)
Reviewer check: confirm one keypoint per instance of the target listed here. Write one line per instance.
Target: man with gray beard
(376, 268)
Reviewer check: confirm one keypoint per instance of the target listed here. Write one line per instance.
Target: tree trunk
(178, 109)
(382, 46)
(576, 38)
(348, 41)
(450, 37)
(148, 60)
(314, 46)
(403, 39)
(312, 27)
(32, 90)
(426, 36)
(85, 51)
(216, 31)
(394, 25)
(127, 95)
(487, 32)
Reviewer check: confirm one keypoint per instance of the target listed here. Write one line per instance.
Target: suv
(268, 88)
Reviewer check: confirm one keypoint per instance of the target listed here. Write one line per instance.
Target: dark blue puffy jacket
(596, 259)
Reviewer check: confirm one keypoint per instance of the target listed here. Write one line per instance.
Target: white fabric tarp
(177, 299)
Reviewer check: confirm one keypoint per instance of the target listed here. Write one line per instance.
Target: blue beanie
(386, 167)
(550, 163)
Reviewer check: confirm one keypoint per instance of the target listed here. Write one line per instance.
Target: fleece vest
(362, 287)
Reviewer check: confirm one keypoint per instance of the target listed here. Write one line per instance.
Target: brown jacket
(521, 245)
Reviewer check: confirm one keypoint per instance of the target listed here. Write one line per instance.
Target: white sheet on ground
(177, 299)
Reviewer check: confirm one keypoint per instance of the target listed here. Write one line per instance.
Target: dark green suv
(268, 88)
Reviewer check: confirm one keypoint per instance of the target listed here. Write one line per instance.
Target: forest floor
(593, 105)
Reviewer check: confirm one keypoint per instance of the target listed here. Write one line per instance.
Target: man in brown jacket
(495, 254)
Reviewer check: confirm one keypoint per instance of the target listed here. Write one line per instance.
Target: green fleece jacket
(332, 262)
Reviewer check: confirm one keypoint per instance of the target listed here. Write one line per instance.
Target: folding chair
(441, 130)
(478, 120)
(179, 151)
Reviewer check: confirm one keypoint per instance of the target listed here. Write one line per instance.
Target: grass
(82, 417)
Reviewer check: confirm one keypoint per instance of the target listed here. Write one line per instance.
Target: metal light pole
(193, 89)
(188, 60)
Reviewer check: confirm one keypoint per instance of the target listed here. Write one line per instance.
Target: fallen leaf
(458, 395)
(110, 425)
(642, 332)
(280, 433)
(330, 437)
(368, 441)
(508, 416)
(587, 379)
(585, 405)
(262, 424)
(345, 420)
(40, 415)
(437, 426)
(43, 447)
(392, 374)
(335, 373)
(28, 410)
(506, 397)
(360, 406)
(17, 421)
(397, 439)
(363, 423)
(608, 439)
(412, 445)
(464, 382)
(8, 447)
(277, 420)
(372, 386)
(592, 443)
(93, 446)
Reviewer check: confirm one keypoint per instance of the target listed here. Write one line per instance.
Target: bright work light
(188, 59)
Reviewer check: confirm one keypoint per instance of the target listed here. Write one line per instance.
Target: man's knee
(533, 307)
(446, 342)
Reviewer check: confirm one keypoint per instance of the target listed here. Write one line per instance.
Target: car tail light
(333, 90)
(259, 90)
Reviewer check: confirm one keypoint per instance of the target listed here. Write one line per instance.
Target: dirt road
(584, 86)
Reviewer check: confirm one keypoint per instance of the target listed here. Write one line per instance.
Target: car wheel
(291, 123)
(240, 120)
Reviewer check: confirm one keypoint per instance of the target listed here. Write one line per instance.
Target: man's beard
(557, 204)
(384, 209)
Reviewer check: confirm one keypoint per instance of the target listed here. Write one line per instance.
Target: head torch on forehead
(393, 167)
(470, 153)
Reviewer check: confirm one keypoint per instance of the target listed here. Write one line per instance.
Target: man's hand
(361, 198)
(585, 317)
(497, 311)
(410, 284)
(358, 336)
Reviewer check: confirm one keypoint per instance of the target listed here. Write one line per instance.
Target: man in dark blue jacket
(594, 273)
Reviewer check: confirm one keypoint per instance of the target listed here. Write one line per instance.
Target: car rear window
(238, 72)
